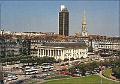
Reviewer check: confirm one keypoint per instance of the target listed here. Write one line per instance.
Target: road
(100, 74)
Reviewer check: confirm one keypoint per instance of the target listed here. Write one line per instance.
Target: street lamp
(101, 71)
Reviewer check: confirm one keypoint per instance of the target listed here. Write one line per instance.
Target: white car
(33, 72)
(9, 76)
(14, 77)
(9, 79)
(28, 70)
(27, 73)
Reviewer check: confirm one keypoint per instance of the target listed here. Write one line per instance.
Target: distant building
(2, 47)
(64, 21)
(25, 49)
(9, 47)
(103, 42)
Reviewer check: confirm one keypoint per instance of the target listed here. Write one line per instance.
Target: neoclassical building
(61, 50)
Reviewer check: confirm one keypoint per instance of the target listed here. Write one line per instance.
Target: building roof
(66, 44)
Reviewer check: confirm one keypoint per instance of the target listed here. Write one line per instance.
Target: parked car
(47, 67)
(12, 77)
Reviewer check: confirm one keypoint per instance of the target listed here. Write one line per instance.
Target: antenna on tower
(84, 12)
(84, 17)
(62, 7)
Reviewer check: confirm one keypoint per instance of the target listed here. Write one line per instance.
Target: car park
(31, 70)
(47, 67)
(11, 77)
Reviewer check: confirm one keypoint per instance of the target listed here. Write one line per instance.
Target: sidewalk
(100, 74)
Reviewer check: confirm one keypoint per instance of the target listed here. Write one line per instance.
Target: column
(39, 52)
(56, 53)
(62, 55)
(50, 52)
(43, 52)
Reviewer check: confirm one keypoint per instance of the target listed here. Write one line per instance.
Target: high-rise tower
(63, 21)
(84, 25)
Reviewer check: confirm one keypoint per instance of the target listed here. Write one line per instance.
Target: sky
(42, 16)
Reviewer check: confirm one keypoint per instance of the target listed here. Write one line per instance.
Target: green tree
(90, 49)
(66, 59)
(82, 68)
(116, 72)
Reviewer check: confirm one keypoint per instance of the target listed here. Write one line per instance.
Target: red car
(65, 73)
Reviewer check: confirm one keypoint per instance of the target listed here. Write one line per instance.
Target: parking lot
(46, 70)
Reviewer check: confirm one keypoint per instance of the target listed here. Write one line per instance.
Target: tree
(58, 61)
(116, 72)
(71, 69)
(90, 49)
(48, 59)
(71, 59)
(66, 59)
(94, 64)
(82, 68)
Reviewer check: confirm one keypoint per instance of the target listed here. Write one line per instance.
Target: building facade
(103, 42)
(61, 50)
(2, 47)
(63, 21)
(9, 47)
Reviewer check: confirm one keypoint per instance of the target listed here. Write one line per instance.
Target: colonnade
(50, 52)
